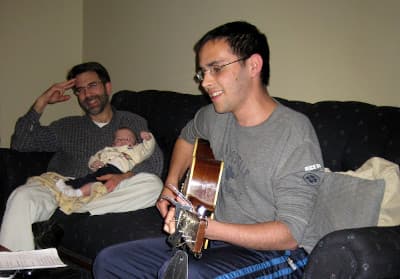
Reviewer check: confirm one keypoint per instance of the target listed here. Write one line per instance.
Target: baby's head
(124, 136)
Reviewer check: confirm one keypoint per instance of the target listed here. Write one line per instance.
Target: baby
(121, 157)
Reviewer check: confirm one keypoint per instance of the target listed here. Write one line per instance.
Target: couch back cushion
(166, 112)
(349, 132)
(352, 132)
(15, 167)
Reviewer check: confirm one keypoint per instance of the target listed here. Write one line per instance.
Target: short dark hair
(244, 39)
(89, 67)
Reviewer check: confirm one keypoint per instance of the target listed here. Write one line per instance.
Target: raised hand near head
(54, 94)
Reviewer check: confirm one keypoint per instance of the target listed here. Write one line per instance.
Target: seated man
(74, 139)
(123, 156)
(272, 172)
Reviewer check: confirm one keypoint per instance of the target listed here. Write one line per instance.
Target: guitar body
(201, 189)
(202, 183)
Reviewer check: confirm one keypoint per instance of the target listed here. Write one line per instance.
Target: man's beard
(103, 101)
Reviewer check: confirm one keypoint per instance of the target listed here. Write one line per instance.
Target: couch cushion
(352, 132)
(87, 234)
(16, 167)
(371, 252)
(349, 132)
(344, 202)
(379, 168)
(166, 113)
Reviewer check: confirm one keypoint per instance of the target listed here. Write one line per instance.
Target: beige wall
(321, 49)
(39, 41)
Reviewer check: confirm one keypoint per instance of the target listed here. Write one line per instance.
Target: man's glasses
(213, 70)
(91, 85)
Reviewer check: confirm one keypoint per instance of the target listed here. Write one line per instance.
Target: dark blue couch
(349, 133)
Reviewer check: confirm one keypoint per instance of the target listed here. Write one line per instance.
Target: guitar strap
(178, 266)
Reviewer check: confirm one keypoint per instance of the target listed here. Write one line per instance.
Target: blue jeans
(147, 258)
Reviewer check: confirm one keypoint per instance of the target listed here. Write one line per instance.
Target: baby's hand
(86, 189)
(145, 135)
(96, 165)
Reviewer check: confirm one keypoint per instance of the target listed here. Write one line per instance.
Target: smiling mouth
(215, 93)
(91, 102)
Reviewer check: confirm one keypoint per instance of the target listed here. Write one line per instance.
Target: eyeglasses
(213, 70)
(91, 85)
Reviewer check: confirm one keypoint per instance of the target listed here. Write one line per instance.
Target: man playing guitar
(266, 196)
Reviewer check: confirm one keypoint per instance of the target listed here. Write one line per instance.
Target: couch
(349, 133)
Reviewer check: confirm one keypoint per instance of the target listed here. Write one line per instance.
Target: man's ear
(255, 63)
(108, 88)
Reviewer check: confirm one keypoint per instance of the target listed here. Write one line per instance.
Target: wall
(40, 40)
(320, 49)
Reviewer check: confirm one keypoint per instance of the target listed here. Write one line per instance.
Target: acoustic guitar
(200, 188)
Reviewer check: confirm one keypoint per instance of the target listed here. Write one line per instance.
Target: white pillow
(379, 168)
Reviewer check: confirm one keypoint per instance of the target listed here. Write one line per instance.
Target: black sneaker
(47, 234)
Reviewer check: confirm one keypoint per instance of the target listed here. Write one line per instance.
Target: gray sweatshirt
(272, 171)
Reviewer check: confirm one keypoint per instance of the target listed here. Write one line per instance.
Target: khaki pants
(32, 203)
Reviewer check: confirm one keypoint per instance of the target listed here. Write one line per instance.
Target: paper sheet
(44, 258)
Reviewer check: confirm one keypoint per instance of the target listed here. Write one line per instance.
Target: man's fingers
(61, 87)
(162, 206)
(104, 177)
(69, 85)
(169, 221)
(66, 85)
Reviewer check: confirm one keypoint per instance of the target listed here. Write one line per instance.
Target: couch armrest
(372, 252)
(16, 167)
